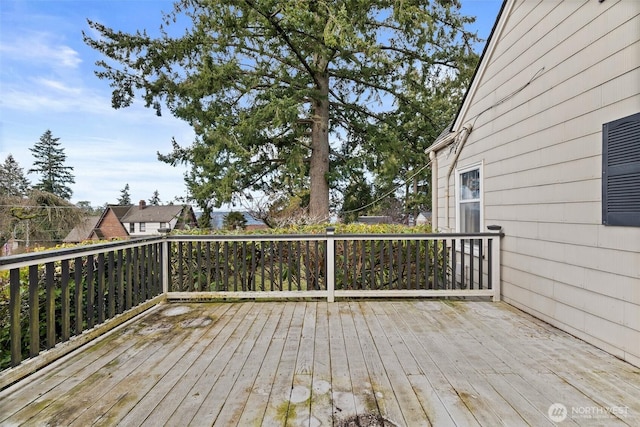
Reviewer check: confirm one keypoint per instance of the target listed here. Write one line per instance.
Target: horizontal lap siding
(541, 151)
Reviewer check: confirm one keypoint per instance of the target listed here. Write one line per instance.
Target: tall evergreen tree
(155, 199)
(12, 179)
(268, 84)
(50, 164)
(125, 197)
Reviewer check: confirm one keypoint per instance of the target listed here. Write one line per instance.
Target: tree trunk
(319, 189)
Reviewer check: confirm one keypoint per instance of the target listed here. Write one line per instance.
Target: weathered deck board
(407, 363)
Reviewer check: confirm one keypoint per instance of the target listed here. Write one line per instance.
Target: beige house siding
(553, 74)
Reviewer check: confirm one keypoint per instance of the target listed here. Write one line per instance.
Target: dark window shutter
(621, 172)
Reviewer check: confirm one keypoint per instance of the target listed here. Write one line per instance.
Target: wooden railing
(57, 300)
(332, 266)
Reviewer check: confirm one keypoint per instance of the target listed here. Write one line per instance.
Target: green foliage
(234, 221)
(13, 183)
(155, 199)
(49, 163)
(125, 196)
(267, 85)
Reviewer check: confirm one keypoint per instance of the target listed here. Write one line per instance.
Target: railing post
(165, 266)
(331, 264)
(495, 266)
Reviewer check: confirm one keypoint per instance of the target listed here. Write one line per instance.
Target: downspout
(461, 136)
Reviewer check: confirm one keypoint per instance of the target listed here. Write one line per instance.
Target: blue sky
(47, 81)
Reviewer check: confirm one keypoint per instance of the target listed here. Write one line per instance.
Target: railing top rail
(368, 236)
(21, 260)
(245, 237)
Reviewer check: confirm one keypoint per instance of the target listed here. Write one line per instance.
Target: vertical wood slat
(225, 263)
(34, 312)
(243, 261)
(216, 266)
(128, 278)
(372, 266)
(254, 266)
(289, 265)
(181, 286)
(65, 303)
(208, 265)
(79, 294)
(471, 262)
(419, 244)
(90, 293)
(199, 266)
(120, 281)
(111, 297)
(280, 269)
(50, 305)
(15, 302)
(481, 264)
(263, 255)
(454, 258)
(100, 296)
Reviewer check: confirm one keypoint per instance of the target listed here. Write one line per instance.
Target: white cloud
(39, 48)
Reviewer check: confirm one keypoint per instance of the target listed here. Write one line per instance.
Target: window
(132, 227)
(163, 225)
(143, 227)
(469, 199)
(621, 172)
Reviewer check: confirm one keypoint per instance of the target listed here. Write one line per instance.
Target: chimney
(142, 204)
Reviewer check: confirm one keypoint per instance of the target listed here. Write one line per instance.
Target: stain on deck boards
(365, 363)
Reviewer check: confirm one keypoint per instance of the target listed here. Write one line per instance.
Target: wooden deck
(362, 363)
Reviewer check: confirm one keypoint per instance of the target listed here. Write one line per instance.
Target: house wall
(111, 227)
(151, 228)
(559, 71)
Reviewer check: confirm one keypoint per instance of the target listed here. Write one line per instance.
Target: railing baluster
(79, 288)
(14, 316)
(119, 274)
(128, 278)
(199, 265)
(34, 312)
(65, 312)
(480, 264)
(112, 288)
(100, 298)
(90, 292)
(50, 304)
(225, 264)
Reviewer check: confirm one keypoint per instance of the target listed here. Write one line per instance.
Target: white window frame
(143, 227)
(459, 171)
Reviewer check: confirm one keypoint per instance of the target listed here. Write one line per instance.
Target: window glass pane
(470, 185)
(470, 217)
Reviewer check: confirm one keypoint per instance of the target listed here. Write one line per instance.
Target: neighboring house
(547, 145)
(109, 226)
(83, 231)
(144, 220)
(423, 218)
(123, 222)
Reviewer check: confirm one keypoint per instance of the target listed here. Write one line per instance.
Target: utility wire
(385, 195)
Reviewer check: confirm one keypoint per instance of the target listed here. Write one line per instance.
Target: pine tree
(267, 84)
(49, 163)
(125, 197)
(12, 179)
(155, 199)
